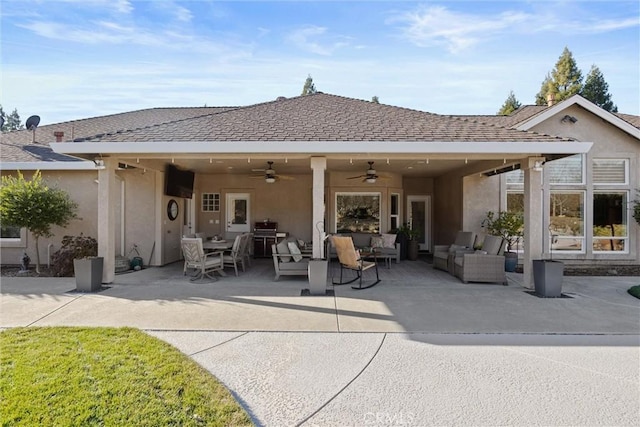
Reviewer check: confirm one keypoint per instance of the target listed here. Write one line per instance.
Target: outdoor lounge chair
(351, 259)
(486, 265)
(443, 255)
(205, 263)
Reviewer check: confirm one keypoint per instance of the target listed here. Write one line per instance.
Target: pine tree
(309, 88)
(10, 121)
(510, 105)
(596, 90)
(564, 81)
(375, 99)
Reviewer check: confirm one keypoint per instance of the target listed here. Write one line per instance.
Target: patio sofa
(443, 255)
(486, 265)
(385, 244)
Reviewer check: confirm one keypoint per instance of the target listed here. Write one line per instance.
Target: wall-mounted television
(178, 182)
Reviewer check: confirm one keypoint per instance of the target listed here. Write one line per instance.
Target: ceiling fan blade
(285, 177)
(356, 177)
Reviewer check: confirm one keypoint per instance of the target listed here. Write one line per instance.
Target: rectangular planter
(318, 276)
(547, 277)
(88, 272)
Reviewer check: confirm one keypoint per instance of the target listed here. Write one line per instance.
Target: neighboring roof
(18, 146)
(323, 117)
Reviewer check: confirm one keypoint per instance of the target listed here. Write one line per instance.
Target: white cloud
(436, 25)
(314, 39)
(439, 26)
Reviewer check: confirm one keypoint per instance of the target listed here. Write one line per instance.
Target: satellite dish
(32, 122)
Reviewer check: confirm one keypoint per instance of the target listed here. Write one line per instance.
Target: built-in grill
(264, 235)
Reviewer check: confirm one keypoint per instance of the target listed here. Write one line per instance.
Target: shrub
(635, 291)
(73, 247)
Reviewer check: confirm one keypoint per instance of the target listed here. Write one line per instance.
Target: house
(320, 163)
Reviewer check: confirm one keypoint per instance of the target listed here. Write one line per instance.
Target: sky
(71, 59)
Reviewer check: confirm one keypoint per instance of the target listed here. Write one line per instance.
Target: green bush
(73, 247)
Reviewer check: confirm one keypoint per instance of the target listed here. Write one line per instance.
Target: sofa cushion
(377, 242)
(294, 250)
(389, 240)
(283, 248)
(361, 240)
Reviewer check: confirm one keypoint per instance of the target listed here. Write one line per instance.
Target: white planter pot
(318, 276)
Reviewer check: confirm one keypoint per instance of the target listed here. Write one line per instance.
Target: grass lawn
(106, 376)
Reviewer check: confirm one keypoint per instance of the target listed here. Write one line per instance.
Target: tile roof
(323, 117)
(18, 146)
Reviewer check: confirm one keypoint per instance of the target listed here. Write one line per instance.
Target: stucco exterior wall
(482, 194)
(82, 188)
(287, 202)
(447, 207)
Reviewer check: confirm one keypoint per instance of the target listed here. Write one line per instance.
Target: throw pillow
(283, 248)
(377, 242)
(454, 248)
(294, 250)
(389, 241)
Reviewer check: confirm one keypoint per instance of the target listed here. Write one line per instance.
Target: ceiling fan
(270, 176)
(370, 176)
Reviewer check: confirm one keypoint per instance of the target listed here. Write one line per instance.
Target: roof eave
(324, 147)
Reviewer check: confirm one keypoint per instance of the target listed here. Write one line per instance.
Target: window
(610, 219)
(394, 212)
(568, 170)
(358, 212)
(566, 220)
(610, 171)
(210, 202)
(9, 232)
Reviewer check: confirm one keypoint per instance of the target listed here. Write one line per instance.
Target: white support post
(107, 194)
(533, 216)
(318, 165)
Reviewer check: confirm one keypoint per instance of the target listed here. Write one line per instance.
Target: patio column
(107, 193)
(318, 165)
(533, 216)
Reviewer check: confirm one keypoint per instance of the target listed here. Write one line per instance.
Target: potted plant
(507, 225)
(78, 256)
(411, 237)
(636, 208)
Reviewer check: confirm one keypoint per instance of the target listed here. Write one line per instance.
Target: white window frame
(583, 174)
(214, 203)
(15, 242)
(583, 238)
(396, 215)
(611, 184)
(627, 214)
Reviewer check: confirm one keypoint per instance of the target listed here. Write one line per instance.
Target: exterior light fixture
(537, 166)
(568, 118)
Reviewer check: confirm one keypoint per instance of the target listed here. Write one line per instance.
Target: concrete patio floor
(412, 297)
(421, 348)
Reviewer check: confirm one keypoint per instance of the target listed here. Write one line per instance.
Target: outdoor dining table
(217, 245)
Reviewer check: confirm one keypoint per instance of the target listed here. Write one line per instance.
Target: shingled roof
(321, 117)
(18, 146)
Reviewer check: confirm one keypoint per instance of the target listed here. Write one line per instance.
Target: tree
(596, 90)
(309, 88)
(564, 81)
(10, 121)
(375, 100)
(510, 105)
(35, 206)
